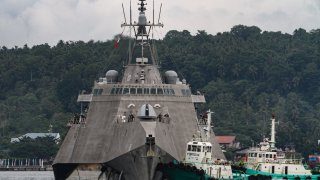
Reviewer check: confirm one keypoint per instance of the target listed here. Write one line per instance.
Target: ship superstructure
(135, 122)
(268, 160)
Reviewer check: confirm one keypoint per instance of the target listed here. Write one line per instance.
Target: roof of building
(36, 135)
(56, 136)
(225, 139)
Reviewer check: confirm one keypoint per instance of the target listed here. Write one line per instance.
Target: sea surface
(46, 175)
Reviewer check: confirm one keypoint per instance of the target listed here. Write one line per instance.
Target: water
(46, 175)
(26, 175)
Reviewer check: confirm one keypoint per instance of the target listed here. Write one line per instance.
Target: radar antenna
(142, 35)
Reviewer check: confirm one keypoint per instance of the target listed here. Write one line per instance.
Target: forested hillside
(245, 74)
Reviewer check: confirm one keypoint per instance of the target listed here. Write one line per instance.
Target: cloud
(41, 21)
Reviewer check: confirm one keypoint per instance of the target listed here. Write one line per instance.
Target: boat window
(153, 91)
(264, 155)
(171, 91)
(132, 90)
(146, 91)
(159, 91)
(274, 156)
(194, 148)
(139, 90)
(100, 91)
(119, 91)
(260, 155)
(198, 148)
(267, 155)
(166, 91)
(188, 92)
(95, 91)
(125, 90)
(113, 90)
(189, 147)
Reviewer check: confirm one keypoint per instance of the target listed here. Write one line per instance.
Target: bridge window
(153, 91)
(160, 91)
(189, 147)
(171, 91)
(132, 90)
(119, 91)
(113, 90)
(97, 91)
(194, 148)
(198, 148)
(125, 90)
(139, 91)
(146, 91)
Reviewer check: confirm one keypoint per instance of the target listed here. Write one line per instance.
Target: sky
(34, 22)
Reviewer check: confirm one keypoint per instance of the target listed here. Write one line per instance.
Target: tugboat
(266, 161)
(198, 162)
(133, 120)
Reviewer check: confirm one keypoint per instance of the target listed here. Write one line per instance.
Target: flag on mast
(117, 40)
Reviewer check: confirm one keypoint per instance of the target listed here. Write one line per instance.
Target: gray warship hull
(133, 125)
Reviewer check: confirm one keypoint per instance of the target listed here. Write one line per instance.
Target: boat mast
(209, 124)
(140, 31)
(273, 133)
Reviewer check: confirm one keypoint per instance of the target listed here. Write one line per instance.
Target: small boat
(269, 162)
(198, 162)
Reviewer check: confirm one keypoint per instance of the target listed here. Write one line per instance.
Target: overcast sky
(47, 21)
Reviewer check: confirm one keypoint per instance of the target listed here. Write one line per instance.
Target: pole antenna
(153, 13)
(159, 14)
(130, 14)
(124, 14)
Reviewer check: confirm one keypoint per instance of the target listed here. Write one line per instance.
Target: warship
(134, 120)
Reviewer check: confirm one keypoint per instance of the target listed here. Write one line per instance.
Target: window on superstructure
(194, 148)
(139, 91)
(171, 91)
(153, 91)
(125, 90)
(260, 155)
(198, 148)
(133, 90)
(146, 91)
(159, 91)
(119, 91)
(165, 91)
(113, 90)
(100, 91)
(189, 147)
(95, 91)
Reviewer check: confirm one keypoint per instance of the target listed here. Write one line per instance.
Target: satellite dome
(170, 77)
(112, 76)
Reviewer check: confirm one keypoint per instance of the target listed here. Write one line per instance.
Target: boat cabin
(198, 151)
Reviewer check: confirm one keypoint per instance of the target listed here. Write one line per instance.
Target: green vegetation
(246, 75)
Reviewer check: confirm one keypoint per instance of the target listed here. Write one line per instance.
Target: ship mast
(141, 30)
(273, 133)
(209, 124)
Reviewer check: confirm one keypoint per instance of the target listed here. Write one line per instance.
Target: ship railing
(284, 161)
(77, 119)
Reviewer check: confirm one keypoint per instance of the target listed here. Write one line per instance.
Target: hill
(245, 74)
